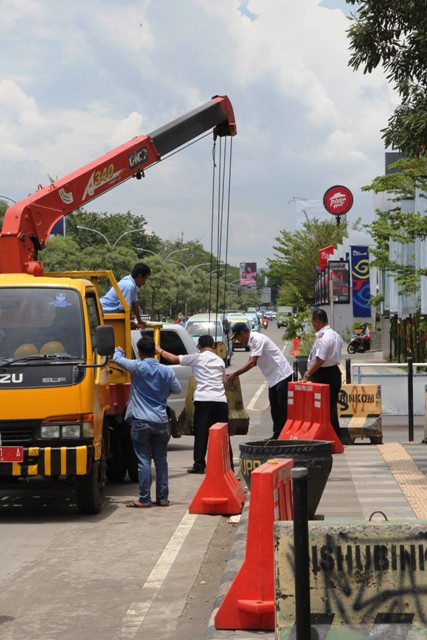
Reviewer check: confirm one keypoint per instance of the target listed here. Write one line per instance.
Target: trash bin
(315, 455)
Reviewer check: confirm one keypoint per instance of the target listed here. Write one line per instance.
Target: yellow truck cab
(54, 386)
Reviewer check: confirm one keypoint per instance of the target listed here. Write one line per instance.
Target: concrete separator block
(367, 573)
(360, 411)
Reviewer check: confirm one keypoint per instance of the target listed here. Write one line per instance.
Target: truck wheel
(116, 464)
(90, 488)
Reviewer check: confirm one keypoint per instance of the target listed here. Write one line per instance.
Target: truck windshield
(40, 320)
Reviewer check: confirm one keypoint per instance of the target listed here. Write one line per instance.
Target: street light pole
(126, 233)
(7, 198)
(175, 251)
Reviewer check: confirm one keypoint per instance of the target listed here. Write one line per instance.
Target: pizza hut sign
(338, 200)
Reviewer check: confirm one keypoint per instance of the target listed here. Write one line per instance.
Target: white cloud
(79, 82)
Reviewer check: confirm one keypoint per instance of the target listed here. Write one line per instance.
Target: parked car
(271, 315)
(282, 321)
(254, 320)
(216, 325)
(233, 318)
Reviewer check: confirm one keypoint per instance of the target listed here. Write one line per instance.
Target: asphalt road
(124, 574)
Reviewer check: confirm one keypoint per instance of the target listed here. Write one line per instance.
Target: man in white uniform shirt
(273, 365)
(323, 362)
(210, 402)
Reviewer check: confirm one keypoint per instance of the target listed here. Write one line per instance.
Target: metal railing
(411, 375)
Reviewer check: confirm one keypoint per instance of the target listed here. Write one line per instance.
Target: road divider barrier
(308, 415)
(371, 574)
(249, 602)
(220, 492)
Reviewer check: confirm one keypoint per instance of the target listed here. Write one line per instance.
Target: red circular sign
(338, 200)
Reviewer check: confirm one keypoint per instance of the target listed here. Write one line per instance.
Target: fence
(395, 402)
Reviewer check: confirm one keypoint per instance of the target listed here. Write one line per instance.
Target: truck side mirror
(104, 337)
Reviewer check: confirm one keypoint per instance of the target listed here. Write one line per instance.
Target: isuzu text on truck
(60, 396)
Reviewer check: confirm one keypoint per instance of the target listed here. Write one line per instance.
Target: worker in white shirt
(323, 362)
(210, 402)
(273, 365)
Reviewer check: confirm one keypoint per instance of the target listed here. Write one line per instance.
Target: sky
(80, 78)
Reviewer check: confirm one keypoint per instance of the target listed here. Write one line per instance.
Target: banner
(360, 284)
(339, 277)
(323, 256)
(248, 274)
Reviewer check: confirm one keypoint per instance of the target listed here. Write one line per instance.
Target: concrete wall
(359, 571)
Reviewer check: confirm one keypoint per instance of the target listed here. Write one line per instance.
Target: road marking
(135, 615)
(251, 405)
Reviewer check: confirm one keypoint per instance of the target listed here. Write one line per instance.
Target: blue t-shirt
(110, 303)
(152, 383)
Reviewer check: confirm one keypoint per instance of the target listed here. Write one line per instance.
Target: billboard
(248, 274)
(339, 279)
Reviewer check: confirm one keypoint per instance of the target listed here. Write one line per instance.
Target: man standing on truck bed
(151, 385)
(129, 286)
(210, 401)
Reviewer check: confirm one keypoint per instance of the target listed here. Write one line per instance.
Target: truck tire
(90, 488)
(116, 464)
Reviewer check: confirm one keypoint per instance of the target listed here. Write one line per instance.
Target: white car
(215, 325)
(174, 339)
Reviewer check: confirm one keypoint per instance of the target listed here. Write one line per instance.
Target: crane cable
(222, 192)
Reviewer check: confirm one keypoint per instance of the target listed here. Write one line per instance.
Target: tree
(127, 229)
(3, 207)
(396, 225)
(393, 33)
(295, 261)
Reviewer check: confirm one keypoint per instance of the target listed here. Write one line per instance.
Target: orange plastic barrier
(220, 492)
(296, 346)
(249, 602)
(308, 415)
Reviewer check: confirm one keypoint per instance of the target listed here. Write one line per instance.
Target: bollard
(410, 399)
(295, 375)
(348, 370)
(301, 554)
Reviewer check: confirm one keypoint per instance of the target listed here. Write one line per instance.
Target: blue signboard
(360, 284)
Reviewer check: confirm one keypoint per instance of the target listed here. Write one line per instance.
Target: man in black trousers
(323, 362)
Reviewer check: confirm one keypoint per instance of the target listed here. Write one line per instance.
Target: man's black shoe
(195, 470)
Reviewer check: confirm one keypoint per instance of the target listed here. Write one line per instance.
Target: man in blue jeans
(151, 385)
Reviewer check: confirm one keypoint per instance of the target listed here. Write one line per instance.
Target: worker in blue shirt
(151, 385)
(129, 286)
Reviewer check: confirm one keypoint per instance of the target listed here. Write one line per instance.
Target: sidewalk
(366, 478)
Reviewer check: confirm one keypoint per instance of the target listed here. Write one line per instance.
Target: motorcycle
(360, 342)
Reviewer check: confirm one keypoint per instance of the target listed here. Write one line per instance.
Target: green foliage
(293, 266)
(298, 325)
(3, 206)
(399, 226)
(392, 34)
(185, 277)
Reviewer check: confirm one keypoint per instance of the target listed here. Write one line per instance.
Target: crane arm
(28, 223)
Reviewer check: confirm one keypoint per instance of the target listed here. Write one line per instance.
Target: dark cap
(237, 329)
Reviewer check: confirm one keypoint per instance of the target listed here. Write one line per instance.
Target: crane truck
(60, 395)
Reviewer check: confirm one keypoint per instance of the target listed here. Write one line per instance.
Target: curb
(234, 562)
